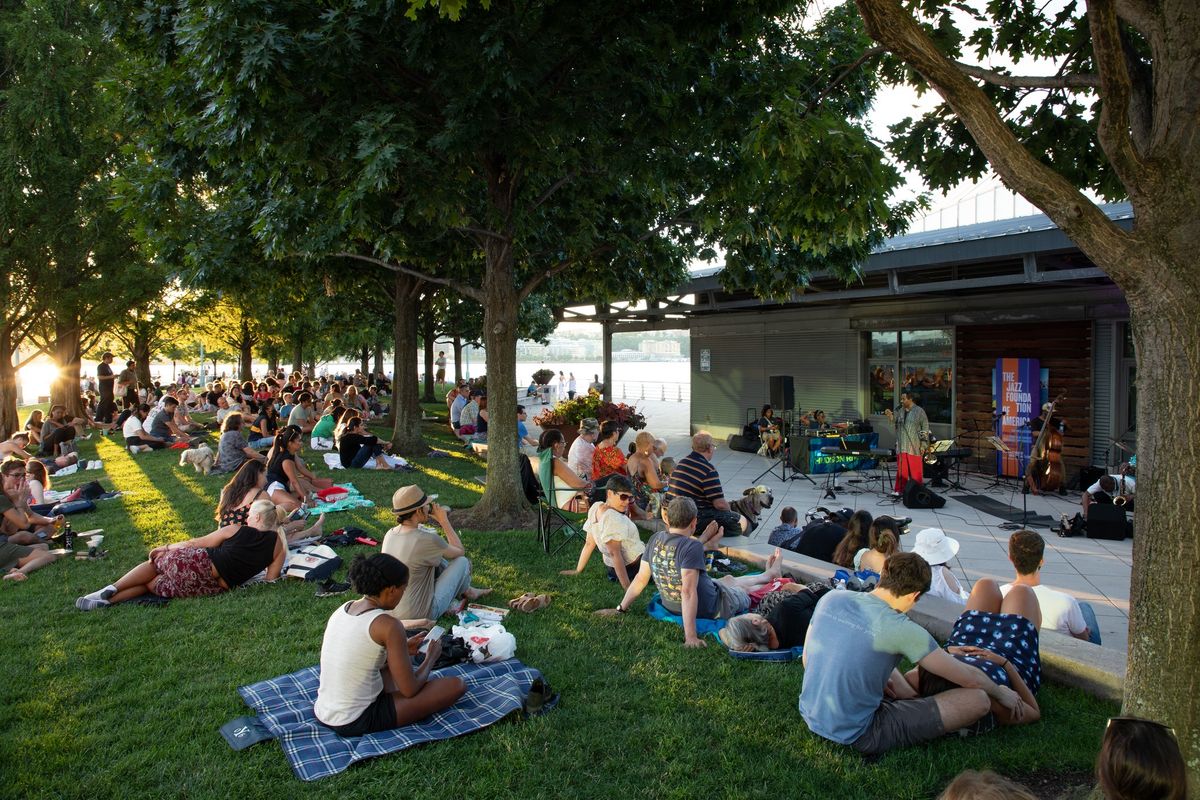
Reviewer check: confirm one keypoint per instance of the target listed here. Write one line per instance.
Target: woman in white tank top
(368, 683)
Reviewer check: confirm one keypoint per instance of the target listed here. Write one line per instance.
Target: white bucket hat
(933, 545)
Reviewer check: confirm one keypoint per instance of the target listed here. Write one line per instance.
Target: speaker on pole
(783, 393)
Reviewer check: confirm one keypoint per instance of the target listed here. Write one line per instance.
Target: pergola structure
(1017, 254)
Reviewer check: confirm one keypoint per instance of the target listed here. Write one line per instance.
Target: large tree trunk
(65, 390)
(298, 355)
(141, 356)
(378, 358)
(1162, 681)
(503, 505)
(273, 361)
(406, 410)
(245, 352)
(429, 325)
(458, 365)
(364, 364)
(9, 421)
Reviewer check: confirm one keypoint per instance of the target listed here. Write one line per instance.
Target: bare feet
(412, 624)
(15, 575)
(775, 563)
(474, 594)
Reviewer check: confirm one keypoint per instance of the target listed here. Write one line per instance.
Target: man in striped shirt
(696, 477)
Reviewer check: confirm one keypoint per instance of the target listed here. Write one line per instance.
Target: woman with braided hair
(368, 683)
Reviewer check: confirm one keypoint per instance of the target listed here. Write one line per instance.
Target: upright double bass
(1045, 470)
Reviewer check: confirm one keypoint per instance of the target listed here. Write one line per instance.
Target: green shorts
(11, 553)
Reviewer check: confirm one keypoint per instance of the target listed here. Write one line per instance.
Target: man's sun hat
(935, 546)
(409, 498)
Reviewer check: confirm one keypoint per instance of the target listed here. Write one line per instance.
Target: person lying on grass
(998, 634)
(19, 524)
(853, 694)
(438, 567)
(368, 683)
(18, 560)
(248, 485)
(780, 621)
(676, 561)
(610, 530)
(218, 562)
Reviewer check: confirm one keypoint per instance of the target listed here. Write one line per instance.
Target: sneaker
(134, 449)
(331, 587)
(90, 603)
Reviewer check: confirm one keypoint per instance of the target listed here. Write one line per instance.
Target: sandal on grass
(516, 602)
(533, 603)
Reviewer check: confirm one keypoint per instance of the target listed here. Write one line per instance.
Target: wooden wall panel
(1064, 348)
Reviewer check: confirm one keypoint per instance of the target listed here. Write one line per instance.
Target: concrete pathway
(1092, 570)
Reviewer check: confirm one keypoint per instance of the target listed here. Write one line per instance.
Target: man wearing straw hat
(438, 568)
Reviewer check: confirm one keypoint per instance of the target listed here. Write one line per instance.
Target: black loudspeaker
(1107, 521)
(918, 495)
(783, 393)
(744, 444)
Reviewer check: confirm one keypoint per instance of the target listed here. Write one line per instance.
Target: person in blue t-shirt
(852, 692)
(523, 436)
(675, 559)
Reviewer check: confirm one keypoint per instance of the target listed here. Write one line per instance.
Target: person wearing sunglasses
(1140, 758)
(610, 530)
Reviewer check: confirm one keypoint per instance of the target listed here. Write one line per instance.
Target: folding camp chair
(553, 522)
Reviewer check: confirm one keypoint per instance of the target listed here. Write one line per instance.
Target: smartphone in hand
(434, 635)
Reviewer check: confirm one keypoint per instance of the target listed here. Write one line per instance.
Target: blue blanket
(712, 627)
(285, 706)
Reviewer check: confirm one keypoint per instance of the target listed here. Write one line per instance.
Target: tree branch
(481, 232)
(1076, 81)
(546, 195)
(1107, 245)
(532, 285)
(462, 288)
(867, 55)
(1112, 128)
(1143, 15)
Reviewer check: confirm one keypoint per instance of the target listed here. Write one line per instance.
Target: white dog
(199, 457)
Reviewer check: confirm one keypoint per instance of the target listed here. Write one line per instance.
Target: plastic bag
(487, 643)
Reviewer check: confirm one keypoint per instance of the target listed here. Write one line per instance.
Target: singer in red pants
(912, 430)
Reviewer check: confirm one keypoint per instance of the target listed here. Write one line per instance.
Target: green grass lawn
(126, 702)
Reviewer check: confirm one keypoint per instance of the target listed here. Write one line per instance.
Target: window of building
(924, 360)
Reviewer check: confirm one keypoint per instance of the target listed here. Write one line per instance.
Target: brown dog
(751, 504)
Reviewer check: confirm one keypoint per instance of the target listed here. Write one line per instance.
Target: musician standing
(912, 429)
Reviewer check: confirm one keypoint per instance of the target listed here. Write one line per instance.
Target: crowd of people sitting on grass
(987, 674)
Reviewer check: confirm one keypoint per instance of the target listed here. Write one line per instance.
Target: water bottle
(68, 536)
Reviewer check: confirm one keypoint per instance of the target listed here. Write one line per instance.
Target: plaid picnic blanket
(285, 706)
(712, 627)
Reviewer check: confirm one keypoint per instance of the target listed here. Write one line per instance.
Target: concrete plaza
(1092, 570)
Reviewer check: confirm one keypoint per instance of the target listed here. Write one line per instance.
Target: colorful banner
(1017, 393)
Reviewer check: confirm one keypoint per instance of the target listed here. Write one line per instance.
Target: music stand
(1024, 523)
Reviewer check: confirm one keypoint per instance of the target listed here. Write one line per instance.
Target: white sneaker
(135, 449)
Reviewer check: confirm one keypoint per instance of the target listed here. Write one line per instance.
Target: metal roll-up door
(825, 365)
(735, 380)
(1104, 343)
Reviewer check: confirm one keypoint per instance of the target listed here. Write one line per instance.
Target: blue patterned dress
(1010, 636)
